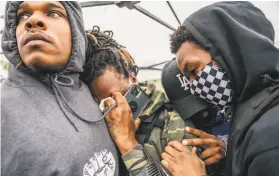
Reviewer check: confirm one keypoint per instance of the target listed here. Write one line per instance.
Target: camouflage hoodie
(173, 128)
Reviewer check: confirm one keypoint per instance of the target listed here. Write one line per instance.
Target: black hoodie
(241, 39)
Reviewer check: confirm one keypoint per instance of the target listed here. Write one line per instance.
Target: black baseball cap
(176, 86)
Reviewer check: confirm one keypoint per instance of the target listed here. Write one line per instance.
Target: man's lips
(34, 36)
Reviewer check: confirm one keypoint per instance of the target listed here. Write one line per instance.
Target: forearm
(138, 163)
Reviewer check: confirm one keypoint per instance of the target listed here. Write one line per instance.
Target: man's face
(191, 59)
(43, 35)
(110, 81)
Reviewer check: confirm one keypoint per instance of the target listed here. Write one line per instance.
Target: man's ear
(133, 77)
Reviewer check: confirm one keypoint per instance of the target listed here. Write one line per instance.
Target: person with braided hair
(109, 71)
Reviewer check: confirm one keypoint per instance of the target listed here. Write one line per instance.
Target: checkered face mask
(213, 85)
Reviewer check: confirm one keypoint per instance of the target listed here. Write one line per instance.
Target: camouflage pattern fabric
(173, 129)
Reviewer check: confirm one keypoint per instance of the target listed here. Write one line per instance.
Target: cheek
(96, 93)
(19, 35)
(63, 37)
(126, 84)
(99, 91)
(67, 39)
(130, 83)
(68, 42)
(64, 40)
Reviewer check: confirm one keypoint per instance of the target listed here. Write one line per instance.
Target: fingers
(109, 102)
(205, 139)
(221, 144)
(166, 156)
(212, 152)
(213, 159)
(178, 146)
(137, 123)
(194, 150)
(198, 133)
(122, 108)
(166, 164)
(170, 151)
(200, 142)
(119, 98)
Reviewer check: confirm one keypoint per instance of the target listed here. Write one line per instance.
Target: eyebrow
(50, 5)
(21, 5)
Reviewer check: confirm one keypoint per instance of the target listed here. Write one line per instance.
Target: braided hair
(104, 51)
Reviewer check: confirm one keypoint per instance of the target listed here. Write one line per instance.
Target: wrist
(125, 145)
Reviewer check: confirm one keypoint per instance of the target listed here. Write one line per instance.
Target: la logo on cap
(183, 81)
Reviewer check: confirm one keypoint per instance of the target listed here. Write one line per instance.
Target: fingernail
(184, 142)
(194, 150)
(187, 129)
(164, 162)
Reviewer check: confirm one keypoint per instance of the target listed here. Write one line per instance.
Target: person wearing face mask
(109, 71)
(45, 129)
(227, 51)
(204, 115)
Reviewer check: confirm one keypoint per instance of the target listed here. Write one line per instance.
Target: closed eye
(194, 71)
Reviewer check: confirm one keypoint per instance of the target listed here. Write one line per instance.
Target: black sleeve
(265, 164)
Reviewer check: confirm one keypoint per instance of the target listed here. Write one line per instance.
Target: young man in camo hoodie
(109, 71)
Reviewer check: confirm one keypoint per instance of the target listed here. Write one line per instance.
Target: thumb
(137, 123)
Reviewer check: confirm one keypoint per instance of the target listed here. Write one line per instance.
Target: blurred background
(145, 36)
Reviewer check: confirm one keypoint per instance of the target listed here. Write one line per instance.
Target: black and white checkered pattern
(213, 85)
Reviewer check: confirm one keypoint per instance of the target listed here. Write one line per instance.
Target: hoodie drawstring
(65, 78)
(56, 93)
(67, 82)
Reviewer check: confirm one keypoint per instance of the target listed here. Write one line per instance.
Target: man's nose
(35, 21)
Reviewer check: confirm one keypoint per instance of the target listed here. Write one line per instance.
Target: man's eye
(194, 71)
(23, 16)
(54, 14)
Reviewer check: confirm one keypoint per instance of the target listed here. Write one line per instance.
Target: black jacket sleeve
(265, 164)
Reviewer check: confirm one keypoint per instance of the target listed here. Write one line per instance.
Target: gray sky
(147, 40)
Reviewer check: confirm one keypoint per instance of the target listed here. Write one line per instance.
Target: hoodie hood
(241, 39)
(65, 85)
(79, 39)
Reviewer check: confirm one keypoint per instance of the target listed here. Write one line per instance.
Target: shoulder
(9, 93)
(154, 84)
(263, 135)
(268, 123)
(158, 90)
(265, 163)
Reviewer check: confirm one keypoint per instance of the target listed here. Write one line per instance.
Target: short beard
(45, 70)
